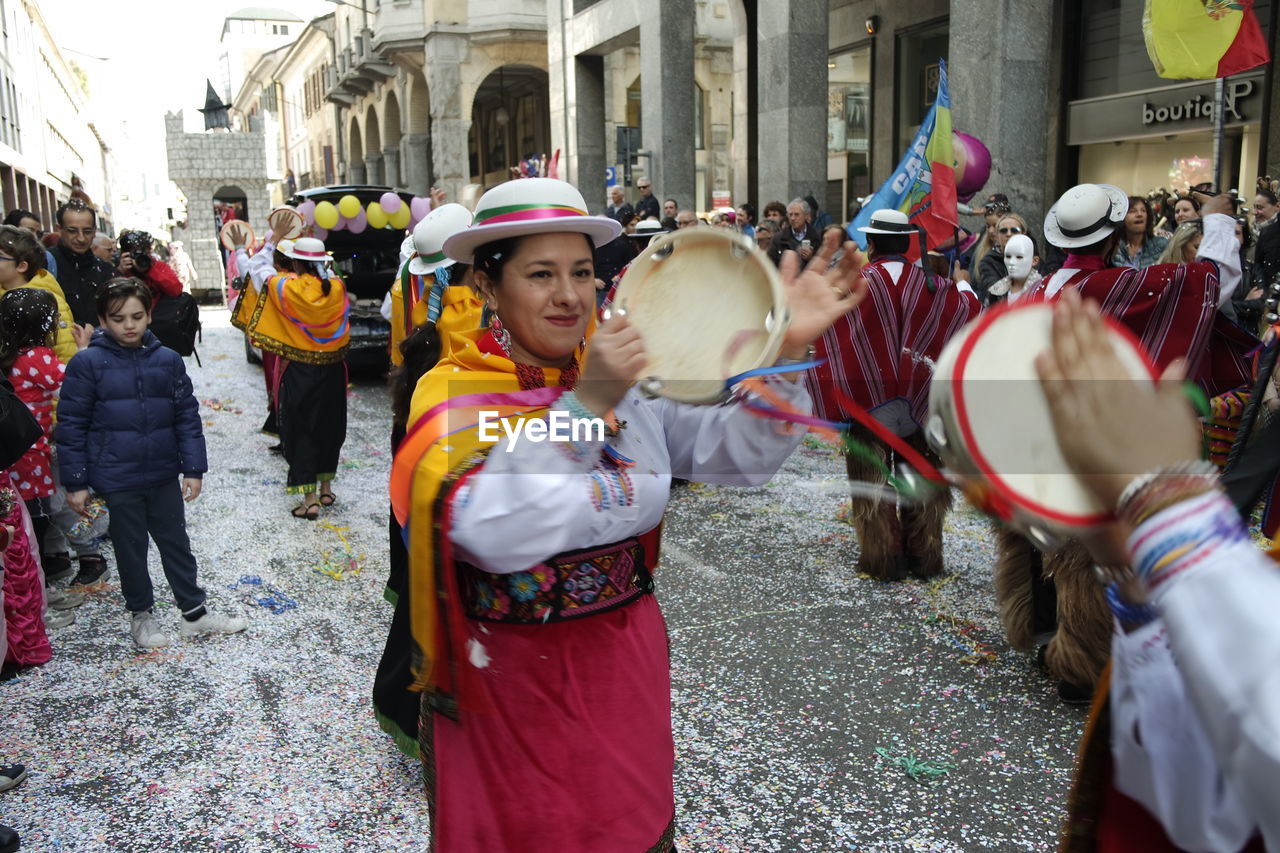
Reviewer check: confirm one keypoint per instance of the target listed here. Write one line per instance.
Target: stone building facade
(212, 165)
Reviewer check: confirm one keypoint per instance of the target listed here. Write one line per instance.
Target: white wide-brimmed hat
(1084, 215)
(306, 249)
(429, 236)
(527, 206)
(648, 228)
(284, 246)
(889, 221)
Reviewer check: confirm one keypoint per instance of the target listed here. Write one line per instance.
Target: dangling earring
(500, 334)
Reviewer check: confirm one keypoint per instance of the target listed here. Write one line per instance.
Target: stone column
(666, 110)
(373, 169)
(1000, 93)
(450, 117)
(792, 86)
(415, 154)
(355, 172)
(587, 121)
(391, 166)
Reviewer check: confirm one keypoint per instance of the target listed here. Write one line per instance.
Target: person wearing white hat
(879, 358)
(298, 311)
(525, 552)
(424, 287)
(1172, 310)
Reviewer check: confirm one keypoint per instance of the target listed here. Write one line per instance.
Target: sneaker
(11, 776)
(61, 599)
(57, 568)
(92, 568)
(9, 842)
(1074, 694)
(55, 619)
(146, 631)
(213, 623)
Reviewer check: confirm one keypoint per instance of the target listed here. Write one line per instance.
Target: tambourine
(709, 305)
(990, 423)
(287, 215)
(225, 236)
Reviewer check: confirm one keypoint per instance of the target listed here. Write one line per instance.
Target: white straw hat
(527, 206)
(889, 221)
(1084, 215)
(307, 249)
(429, 236)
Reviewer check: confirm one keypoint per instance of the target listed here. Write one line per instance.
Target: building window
(848, 128)
(918, 52)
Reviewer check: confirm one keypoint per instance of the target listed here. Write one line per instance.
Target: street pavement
(813, 710)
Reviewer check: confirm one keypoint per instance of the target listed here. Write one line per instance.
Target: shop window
(848, 129)
(918, 52)
(633, 105)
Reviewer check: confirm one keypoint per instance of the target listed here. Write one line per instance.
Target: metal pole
(1219, 113)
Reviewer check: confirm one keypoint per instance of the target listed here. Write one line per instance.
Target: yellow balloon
(400, 219)
(349, 206)
(376, 215)
(326, 215)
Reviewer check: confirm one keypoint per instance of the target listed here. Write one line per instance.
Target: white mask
(1018, 253)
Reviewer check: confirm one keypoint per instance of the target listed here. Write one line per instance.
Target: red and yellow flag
(1203, 39)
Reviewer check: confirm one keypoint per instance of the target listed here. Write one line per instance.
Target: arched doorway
(355, 155)
(415, 157)
(392, 172)
(510, 122)
(231, 198)
(373, 148)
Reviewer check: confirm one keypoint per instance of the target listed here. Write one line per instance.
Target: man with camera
(135, 259)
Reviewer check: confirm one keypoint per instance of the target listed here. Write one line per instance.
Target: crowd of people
(505, 566)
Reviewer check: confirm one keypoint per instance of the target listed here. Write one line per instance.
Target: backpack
(175, 320)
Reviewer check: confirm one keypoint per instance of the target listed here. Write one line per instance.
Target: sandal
(332, 499)
(304, 512)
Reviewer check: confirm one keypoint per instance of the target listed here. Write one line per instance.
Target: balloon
(420, 206)
(391, 202)
(376, 215)
(320, 233)
(308, 211)
(340, 225)
(359, 223)
(400, 219)
(326, 215)
(973, 167)
(349, 206)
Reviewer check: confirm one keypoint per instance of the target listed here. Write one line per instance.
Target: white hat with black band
(1085, 214)
(889, 221)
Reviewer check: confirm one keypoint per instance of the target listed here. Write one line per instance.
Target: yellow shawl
(440, 449)
(293, 317)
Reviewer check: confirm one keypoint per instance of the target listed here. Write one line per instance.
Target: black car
(367, 263)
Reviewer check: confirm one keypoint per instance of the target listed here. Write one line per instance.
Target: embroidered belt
(571, 585)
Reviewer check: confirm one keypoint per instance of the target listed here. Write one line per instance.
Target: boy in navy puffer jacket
(129, 425)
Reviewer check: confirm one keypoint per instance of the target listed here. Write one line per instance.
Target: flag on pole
(923, 186)
(1203, 39)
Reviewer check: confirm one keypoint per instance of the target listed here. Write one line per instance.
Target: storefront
(848, 130)
(1134, 129)
(1163, 138)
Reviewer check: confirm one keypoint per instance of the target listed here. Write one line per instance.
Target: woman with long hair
(1139, 246)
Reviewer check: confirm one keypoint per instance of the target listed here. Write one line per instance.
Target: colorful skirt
(28, 644)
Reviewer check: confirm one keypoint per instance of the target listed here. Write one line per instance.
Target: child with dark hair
(22, 264)
(28, 318)
(129, 425)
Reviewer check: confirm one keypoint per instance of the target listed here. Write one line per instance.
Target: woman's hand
(1110, 428)
(819, 295)
(615, 360)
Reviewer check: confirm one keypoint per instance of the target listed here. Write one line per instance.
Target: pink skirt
(574, 754)
(24, 595)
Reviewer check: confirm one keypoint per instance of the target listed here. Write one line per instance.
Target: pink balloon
(420, 206)
(391, 202)
(342, 224)
(976, 165)
(319, 233)
(359, 223)
(308, 211)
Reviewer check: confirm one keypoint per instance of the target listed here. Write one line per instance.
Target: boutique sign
(1160, 112)
(1201, 107)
